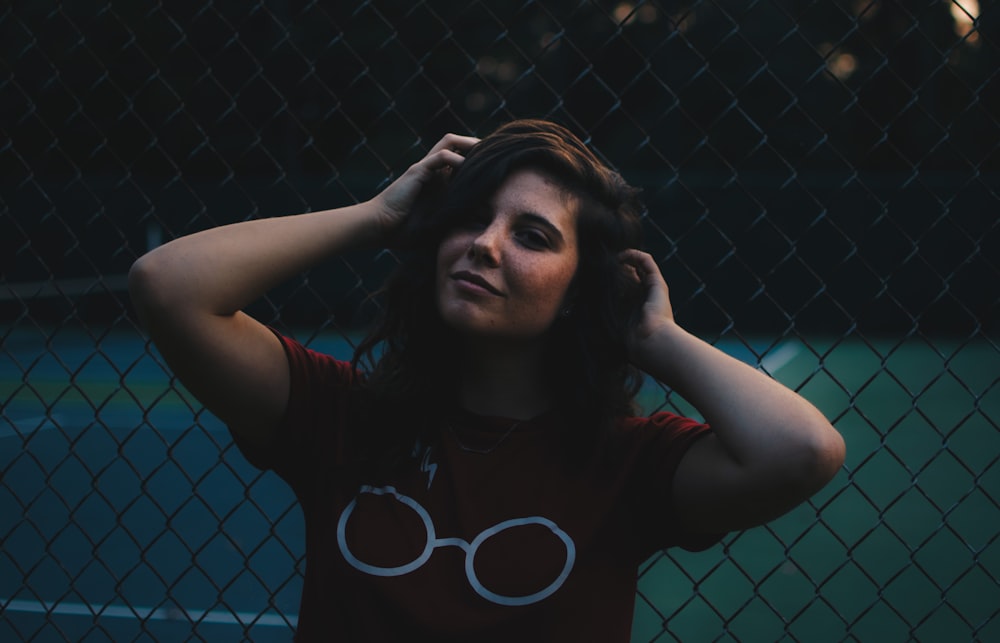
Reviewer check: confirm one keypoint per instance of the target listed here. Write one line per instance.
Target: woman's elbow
(140, 276)
(820, 456)
(147, 286)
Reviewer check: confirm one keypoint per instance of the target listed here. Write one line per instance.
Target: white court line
(23, 427)
(779, 357)
(148, 613)
(26, 426)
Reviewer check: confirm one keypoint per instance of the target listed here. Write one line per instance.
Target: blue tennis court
(127, 514)
(124, 509)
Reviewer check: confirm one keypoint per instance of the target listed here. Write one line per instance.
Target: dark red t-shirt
(465, 546)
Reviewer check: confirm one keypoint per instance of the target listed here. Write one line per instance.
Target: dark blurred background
(822, 181)
(808, 166)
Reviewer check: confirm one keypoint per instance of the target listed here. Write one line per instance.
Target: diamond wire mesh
(822, 187)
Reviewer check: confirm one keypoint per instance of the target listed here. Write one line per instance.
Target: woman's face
(505, 272)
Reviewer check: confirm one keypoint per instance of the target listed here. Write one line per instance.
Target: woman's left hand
(656, 312)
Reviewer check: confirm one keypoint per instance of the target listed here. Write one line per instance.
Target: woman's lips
(476, 280)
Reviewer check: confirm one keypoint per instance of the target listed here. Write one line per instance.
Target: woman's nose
(485, 246)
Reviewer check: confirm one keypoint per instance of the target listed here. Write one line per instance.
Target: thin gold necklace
(469, 449)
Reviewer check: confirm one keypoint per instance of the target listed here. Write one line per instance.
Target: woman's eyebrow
(539, 220)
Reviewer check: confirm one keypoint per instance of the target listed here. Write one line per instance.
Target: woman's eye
(533, 238)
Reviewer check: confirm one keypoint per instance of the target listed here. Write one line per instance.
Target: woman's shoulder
(660, 432)
(308, 364)
(659, 421)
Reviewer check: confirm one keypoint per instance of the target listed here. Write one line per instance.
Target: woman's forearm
(224, 269)
(760, 423)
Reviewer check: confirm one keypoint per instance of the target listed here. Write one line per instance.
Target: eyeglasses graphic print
(470, 548)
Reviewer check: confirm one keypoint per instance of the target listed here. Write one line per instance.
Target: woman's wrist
(383, 221)
(655, 349)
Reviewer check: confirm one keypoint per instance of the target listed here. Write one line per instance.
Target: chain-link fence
(823, 188)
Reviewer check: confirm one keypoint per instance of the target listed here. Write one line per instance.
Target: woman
(476, 472)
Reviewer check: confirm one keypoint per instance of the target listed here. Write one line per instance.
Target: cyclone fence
(822, 190)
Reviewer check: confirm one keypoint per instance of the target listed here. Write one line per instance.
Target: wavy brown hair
(410, 356)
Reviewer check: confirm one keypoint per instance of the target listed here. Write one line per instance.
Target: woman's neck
(505, 380)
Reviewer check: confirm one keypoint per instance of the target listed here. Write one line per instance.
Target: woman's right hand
(396, 201)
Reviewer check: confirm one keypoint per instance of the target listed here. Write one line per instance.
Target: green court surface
(104, 459)
(902, 545)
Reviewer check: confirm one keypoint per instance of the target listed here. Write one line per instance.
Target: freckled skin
(525, 247)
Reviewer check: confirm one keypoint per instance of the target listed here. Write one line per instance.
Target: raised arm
(190, 293)
(769, 450)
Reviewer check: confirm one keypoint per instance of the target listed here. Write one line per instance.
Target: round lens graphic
(470, 549)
